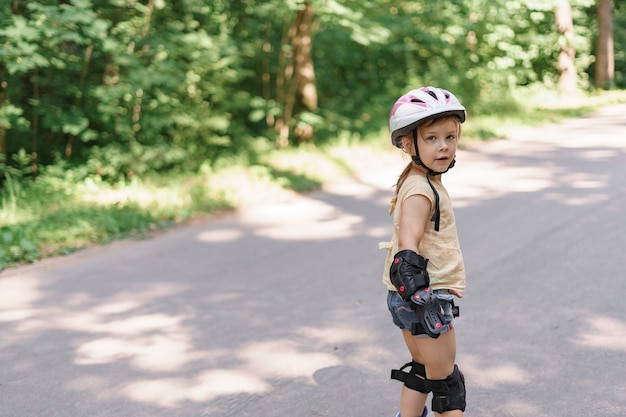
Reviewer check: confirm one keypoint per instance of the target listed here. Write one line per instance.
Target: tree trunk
(284, 57)
(605, 59)
(146, 24)
(568, 78)
(3, 86)
(35, 122)
(297, 82)
(3, 132)
(305, 72)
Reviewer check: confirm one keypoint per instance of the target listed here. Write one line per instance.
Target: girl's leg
(439, 356)
(412, 402)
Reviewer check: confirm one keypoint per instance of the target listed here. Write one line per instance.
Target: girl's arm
(415, 215)
(413, 219)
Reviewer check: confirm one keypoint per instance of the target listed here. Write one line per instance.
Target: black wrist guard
(408, 273)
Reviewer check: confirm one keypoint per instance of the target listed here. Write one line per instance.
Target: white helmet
(420, 105)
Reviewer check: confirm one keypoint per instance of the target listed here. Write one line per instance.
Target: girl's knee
(438, 370)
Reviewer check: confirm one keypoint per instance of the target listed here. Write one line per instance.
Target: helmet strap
(437, 213)
(416, 157)
(436, 217)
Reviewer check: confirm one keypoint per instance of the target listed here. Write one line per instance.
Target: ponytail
(401, 180)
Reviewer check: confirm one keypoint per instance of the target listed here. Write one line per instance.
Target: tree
(605, 60)
(568, 78)
(128, 87)
(298, 78)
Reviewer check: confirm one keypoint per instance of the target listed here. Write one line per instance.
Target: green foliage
(120, 91)
(129, 88)
(16, 246)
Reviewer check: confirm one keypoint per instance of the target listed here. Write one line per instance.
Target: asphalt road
(278, 310)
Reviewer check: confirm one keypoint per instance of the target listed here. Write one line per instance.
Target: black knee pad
(414, 379)
(449, 393)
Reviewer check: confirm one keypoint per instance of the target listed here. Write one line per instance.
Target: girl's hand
(456, 293)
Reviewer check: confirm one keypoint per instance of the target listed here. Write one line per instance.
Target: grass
(56, 216)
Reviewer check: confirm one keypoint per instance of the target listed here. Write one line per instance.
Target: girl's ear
(407, 144)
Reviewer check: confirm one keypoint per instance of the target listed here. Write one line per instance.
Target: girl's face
(437, 142)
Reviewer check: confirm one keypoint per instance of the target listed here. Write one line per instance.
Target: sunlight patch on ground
(16, 315)
(165, 392)
(581, 200)
(490, 176)
(378, 232)
(494, 376)
(170, 392)
(579, 189)
(282, 358)
(159, 352)
(357, 190)
(301, 219)
(369, 356)
(366, 355)
(153, 342)
(492, 179)
(584, 181)
(603, 332)
(599, 153)
(133, 325)
(218, 382)
(220, 236)
(260, 363)
(18, 293)
(16, 297)
(117, 307)
(333, 335)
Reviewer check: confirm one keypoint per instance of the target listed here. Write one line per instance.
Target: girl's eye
(431, 138)
(451, 137)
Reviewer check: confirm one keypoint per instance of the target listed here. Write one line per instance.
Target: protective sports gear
(414, 379)
(420, 105)
(429, 313)
(408, 273)
(424, 413)
(449, 393)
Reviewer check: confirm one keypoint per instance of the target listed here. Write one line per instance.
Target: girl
(424, 268)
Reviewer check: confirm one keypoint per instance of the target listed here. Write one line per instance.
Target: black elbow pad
(408, 273)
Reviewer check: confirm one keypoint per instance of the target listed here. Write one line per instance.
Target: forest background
(119, 117)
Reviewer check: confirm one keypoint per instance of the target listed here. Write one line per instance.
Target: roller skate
(424, 414)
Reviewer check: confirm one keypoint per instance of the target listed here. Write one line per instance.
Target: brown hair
(407, 146)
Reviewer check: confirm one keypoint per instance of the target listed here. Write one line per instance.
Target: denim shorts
(404, 316)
